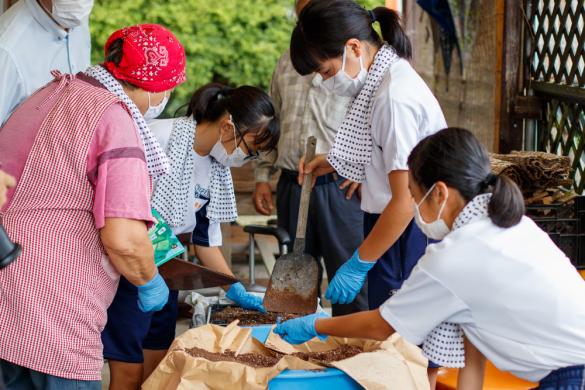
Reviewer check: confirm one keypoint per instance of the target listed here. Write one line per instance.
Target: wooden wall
(469, 100)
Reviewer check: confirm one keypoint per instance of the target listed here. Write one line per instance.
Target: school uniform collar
(477, 208)
(46, 22)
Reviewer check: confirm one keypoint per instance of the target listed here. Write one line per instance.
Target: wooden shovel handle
(305, 198)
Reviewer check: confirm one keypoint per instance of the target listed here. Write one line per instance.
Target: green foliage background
(236, 42)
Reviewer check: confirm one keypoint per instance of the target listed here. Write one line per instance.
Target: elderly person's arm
(118, 173)
(129, 248)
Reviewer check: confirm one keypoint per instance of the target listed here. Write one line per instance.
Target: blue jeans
(21, 378)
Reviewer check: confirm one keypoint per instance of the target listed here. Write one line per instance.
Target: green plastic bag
(165, 243)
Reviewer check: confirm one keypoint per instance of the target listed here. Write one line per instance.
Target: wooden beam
(510, 132)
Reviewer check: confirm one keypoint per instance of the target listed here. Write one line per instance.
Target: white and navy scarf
(444, 345)
(156, 159)
(352, 150)
(171, 192)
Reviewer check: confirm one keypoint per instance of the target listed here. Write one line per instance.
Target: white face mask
(154, 111)
(343, 85)
(436, 230)
(236, 159)
(70, 13)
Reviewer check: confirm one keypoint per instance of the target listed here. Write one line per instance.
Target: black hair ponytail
(506, 207)
(392, 31)
(325, 26)
(251, 109)
(455, 157)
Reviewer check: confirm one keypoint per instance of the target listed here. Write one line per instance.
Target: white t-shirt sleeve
(161, 128)
(419, 306)
(398, 134)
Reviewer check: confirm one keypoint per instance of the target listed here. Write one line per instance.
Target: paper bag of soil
(390, 364)
(180, 370)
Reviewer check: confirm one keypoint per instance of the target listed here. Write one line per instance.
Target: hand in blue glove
(348, 280)
(300, 330)
(153, 295)
(241, 297)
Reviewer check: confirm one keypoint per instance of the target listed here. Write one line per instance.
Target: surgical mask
(436, 230)
(235, 160)
(70, 13)
(343, 85)
(154, 111)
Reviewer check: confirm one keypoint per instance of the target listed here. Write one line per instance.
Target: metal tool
(294, 280)
(184, 275)
(9, 250)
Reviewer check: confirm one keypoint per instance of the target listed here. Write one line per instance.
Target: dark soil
(334, 355)
(258, 361)
(248, 317)
(250, 359)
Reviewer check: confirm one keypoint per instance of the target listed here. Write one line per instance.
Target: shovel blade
(293, 285)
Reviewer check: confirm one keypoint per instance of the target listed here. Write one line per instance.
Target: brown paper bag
(391, 364)
(179, 370)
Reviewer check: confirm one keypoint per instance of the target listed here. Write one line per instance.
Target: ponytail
(207, 103)
(250, 107)
(392, 31)
(325, 26)
(506, 207)
(457, 158)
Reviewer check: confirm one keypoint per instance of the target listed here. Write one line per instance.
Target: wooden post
(510, 132)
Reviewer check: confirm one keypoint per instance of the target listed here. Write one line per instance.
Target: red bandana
(153, 58)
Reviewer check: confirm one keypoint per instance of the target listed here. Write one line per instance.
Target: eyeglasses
(251, 155)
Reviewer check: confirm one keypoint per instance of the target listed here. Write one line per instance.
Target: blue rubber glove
(348, 280)
(237, 293)
(300, 330)
(153, 295)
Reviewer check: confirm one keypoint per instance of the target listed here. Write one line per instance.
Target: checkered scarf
(156, 159)
(444, 345)
(352, 150)
(171, 192)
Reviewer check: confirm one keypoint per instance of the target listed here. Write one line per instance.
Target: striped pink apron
(53, 299)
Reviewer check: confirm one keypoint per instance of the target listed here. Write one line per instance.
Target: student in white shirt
(515, 295)
(393, 109)
(36, 37)
(224, 127)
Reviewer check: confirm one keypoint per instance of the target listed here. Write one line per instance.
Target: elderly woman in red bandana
(84, 160)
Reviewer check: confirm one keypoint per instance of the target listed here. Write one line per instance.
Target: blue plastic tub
(330, 378)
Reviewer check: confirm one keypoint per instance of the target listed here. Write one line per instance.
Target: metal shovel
(293, 283)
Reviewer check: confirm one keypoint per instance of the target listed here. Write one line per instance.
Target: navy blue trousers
(568, 378)
(396, 264)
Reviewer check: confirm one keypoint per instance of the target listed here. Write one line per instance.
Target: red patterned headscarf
(152, 58)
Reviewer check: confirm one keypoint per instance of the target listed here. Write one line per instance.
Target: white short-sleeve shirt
(204, 232)
(404, 112)
(515, 295)
(31, 46)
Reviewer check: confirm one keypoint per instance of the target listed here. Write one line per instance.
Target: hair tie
(489, 180)
(372, 15)
(222, 93)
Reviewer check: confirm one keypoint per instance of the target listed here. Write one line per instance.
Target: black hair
(251, 109)
(457, 158)
(114, 54)
(325, 26)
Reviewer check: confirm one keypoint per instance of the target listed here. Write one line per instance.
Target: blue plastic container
(330, 378)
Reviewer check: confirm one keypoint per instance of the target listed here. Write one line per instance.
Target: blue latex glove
(237, 293)
(153, 295)
(348, 280)
(300, 330)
